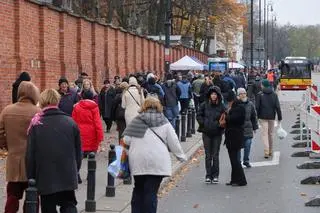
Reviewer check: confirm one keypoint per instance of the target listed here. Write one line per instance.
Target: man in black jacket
(208, 118)
(53, 156)
(267, 106)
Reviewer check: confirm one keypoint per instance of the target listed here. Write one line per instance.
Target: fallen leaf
(195, 206)
(303, 194)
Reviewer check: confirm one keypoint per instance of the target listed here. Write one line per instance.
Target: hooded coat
(86, 115)
(209, 114)
(24, 76)
(172, 93)
(267, 105)
(14, 122)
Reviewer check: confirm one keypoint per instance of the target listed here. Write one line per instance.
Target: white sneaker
(207, 180)
(215, 180)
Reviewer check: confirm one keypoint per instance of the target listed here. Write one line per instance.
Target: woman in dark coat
(117, 109)
(234, 136)
(106, 97)
(53, 155)
(24, 76)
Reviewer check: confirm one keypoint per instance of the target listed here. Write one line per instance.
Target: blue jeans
(246, 150)
(172, 113)
(144, 195)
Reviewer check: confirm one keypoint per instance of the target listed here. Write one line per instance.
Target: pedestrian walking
(249, 127)
(267, 106)
(69, 97)
(171, 99)
(24, 76)
(208, 117)
(132, 100)
(150, 136)
(234, 135)
(80, 79)
(14, 122)
(88, 86)
(186, 93)
(205, 88)
(196, 87)
(53, 156)
(86, 115)
(106, 99)
(117, 109)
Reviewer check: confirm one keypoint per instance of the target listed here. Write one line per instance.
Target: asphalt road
(270, 189)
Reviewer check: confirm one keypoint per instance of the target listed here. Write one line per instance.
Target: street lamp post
(259, 47)
(274, 19)
(269, 8)
(251, 47)
(167, 36)
(265, 32)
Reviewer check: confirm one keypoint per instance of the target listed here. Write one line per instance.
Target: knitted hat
(265, 83)
(63, 80)
(241, 91)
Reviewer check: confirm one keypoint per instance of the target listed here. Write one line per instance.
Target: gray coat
(251, 121)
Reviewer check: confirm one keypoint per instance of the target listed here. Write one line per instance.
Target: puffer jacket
(251, 121)
(86, 115)
(209, 115)
(267, 105)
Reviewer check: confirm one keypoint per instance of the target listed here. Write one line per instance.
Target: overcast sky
(297, 12)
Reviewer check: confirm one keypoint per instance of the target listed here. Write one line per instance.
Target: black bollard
(90, 204)
(189, 123)
(178, 126)
(31, 203)
(110, 189)
(193, 126)
(183, 126)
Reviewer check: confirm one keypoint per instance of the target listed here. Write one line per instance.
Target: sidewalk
(121, 202)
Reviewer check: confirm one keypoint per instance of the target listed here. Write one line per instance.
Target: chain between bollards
(90, 204)
(183, 126)
(31, 203)
(110, 188)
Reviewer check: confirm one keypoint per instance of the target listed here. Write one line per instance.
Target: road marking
(275, 161)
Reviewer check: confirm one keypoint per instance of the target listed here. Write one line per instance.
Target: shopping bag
(281, 133)
(120, 167)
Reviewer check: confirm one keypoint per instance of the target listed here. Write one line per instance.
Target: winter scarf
(140, 124)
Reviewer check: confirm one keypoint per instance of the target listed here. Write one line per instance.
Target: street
(271, 188)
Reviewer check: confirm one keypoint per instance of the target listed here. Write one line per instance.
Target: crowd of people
(47, 135)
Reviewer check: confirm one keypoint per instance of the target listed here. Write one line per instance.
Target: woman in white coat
(132, 100)
(150, 136)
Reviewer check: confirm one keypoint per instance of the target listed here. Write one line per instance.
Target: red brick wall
(49, 43)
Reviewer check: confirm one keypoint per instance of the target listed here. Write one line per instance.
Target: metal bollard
(90, 204)
(110, 189)
(31, 203)
(183, 126)
(189, 121)
(193, 126)
(178, 126)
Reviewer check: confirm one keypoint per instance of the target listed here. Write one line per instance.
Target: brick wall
(48, 43)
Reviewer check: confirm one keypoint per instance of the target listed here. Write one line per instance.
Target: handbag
(222, 120)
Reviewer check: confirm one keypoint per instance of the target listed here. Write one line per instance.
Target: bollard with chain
(90, 204)
(193, 125)
(110, 189)
(31, 203)
(177, 128)
(189, 121)
(183, 126)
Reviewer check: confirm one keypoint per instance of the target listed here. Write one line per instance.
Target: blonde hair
(91, 86)
(27, 90)
(49, 97)
(151, 103)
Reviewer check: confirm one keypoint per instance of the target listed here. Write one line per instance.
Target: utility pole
(167, 35)
(251, 47)
(265, 33)
(274, 19)
(259, 45)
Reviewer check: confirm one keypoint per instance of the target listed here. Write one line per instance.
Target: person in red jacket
(86, 114)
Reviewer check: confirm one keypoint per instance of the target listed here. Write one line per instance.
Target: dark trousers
(108, 122)
(237, 173)
(184, 103)
(144, 195)
(212, 149)
(66, 200)
(196, 102)
(14, 194)
(121, 126)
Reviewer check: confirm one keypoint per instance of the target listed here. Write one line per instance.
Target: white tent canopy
(234, 65)
(187, 63)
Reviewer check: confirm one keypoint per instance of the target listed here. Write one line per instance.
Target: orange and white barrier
(314, 95)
